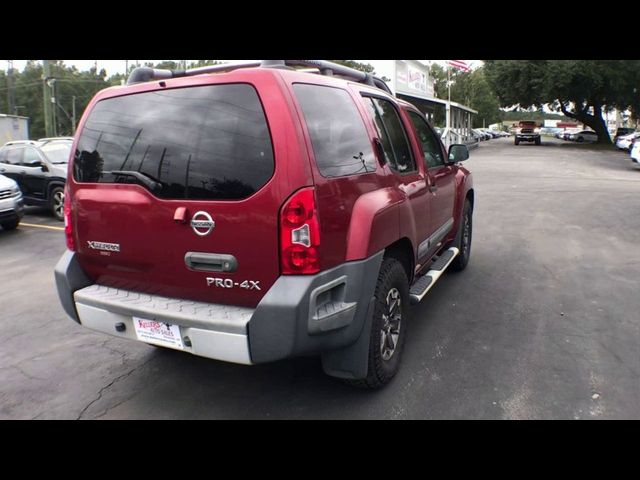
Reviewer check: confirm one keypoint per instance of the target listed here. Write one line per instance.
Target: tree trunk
(595, 121)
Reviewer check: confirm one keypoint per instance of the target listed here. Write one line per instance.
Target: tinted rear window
(201, 143)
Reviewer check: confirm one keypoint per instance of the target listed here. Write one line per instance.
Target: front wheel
(389, 325)
(538, 141)
(463, 238)
(56, 203)
(516, 141)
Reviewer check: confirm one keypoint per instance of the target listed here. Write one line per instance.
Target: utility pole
(54, 110)
(46, 74)
(11, 100)
(73, 115)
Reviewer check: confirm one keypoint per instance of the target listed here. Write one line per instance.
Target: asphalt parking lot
(543, 324)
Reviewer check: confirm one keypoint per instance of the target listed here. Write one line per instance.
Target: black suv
(40, 169)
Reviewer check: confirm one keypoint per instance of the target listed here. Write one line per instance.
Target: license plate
(158, 333)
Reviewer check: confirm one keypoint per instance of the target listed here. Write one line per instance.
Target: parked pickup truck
(527, 132)
(252, 212)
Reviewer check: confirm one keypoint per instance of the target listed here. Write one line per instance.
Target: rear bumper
(299, 314)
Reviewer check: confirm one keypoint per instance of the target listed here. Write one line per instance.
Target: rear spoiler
(146, 74)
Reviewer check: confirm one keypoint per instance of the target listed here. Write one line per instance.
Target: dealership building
(412, 82)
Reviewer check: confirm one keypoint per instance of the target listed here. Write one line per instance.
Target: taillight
(68, 228)
(300, 234)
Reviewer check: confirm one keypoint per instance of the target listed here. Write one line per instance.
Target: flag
(459, 64)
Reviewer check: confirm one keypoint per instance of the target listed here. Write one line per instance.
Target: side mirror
(458, 153)
(43, 167)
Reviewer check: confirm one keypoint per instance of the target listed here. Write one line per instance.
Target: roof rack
(146, 74)
(20, 142)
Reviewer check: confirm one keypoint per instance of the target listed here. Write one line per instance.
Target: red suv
(254, 212)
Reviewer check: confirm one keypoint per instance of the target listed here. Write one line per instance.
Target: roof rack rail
(146, 74)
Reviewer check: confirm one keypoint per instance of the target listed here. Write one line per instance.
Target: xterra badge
(106, 247)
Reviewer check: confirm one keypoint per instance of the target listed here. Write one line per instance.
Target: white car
(11, 203)
(635, 152)
(584, 136)
(624, 142)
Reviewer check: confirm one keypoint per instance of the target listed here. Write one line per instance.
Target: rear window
(201, 143)
(340, 142)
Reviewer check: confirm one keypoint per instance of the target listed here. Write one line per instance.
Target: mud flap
(351, 362)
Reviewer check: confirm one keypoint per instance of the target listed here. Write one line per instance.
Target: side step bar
(420, 288)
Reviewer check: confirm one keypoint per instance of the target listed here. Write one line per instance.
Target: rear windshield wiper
(147, 181)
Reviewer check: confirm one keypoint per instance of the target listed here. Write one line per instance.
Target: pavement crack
(113, 350)
(109, 385)
(29, 376)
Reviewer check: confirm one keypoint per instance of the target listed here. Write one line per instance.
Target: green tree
(439, 75)
(363, 67)
(481, 97)
(203, 63)
(67, 83)
(470, 89)
(580, 89)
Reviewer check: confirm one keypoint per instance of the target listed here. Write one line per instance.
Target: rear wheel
(11, 224)
(538, 141)
(389, 325)
(56, 203)
(516, 141)
(580, 139)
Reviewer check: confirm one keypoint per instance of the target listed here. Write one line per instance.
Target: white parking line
(22, 224)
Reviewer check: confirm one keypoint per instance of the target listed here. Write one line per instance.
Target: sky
(382, 67)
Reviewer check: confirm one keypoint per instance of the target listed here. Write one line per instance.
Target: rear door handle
(211, 262)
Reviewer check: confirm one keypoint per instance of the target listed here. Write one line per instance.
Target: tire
(10, 225)
(517, 142)
(384, 358)
(463, 239)
(538, 141)
(56, 203)
(580, 139)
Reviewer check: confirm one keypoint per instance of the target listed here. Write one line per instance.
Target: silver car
(584, 136)
(11, 203)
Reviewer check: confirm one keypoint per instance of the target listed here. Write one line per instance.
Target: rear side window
(392, 135)
(30, 157)
(13, 156)
(340, 142)
(200, 143)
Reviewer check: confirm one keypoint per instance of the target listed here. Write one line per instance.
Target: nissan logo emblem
(202, 223)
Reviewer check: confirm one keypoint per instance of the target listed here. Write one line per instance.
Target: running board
(420, 288)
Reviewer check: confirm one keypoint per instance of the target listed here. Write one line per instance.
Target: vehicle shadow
(192, 387)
